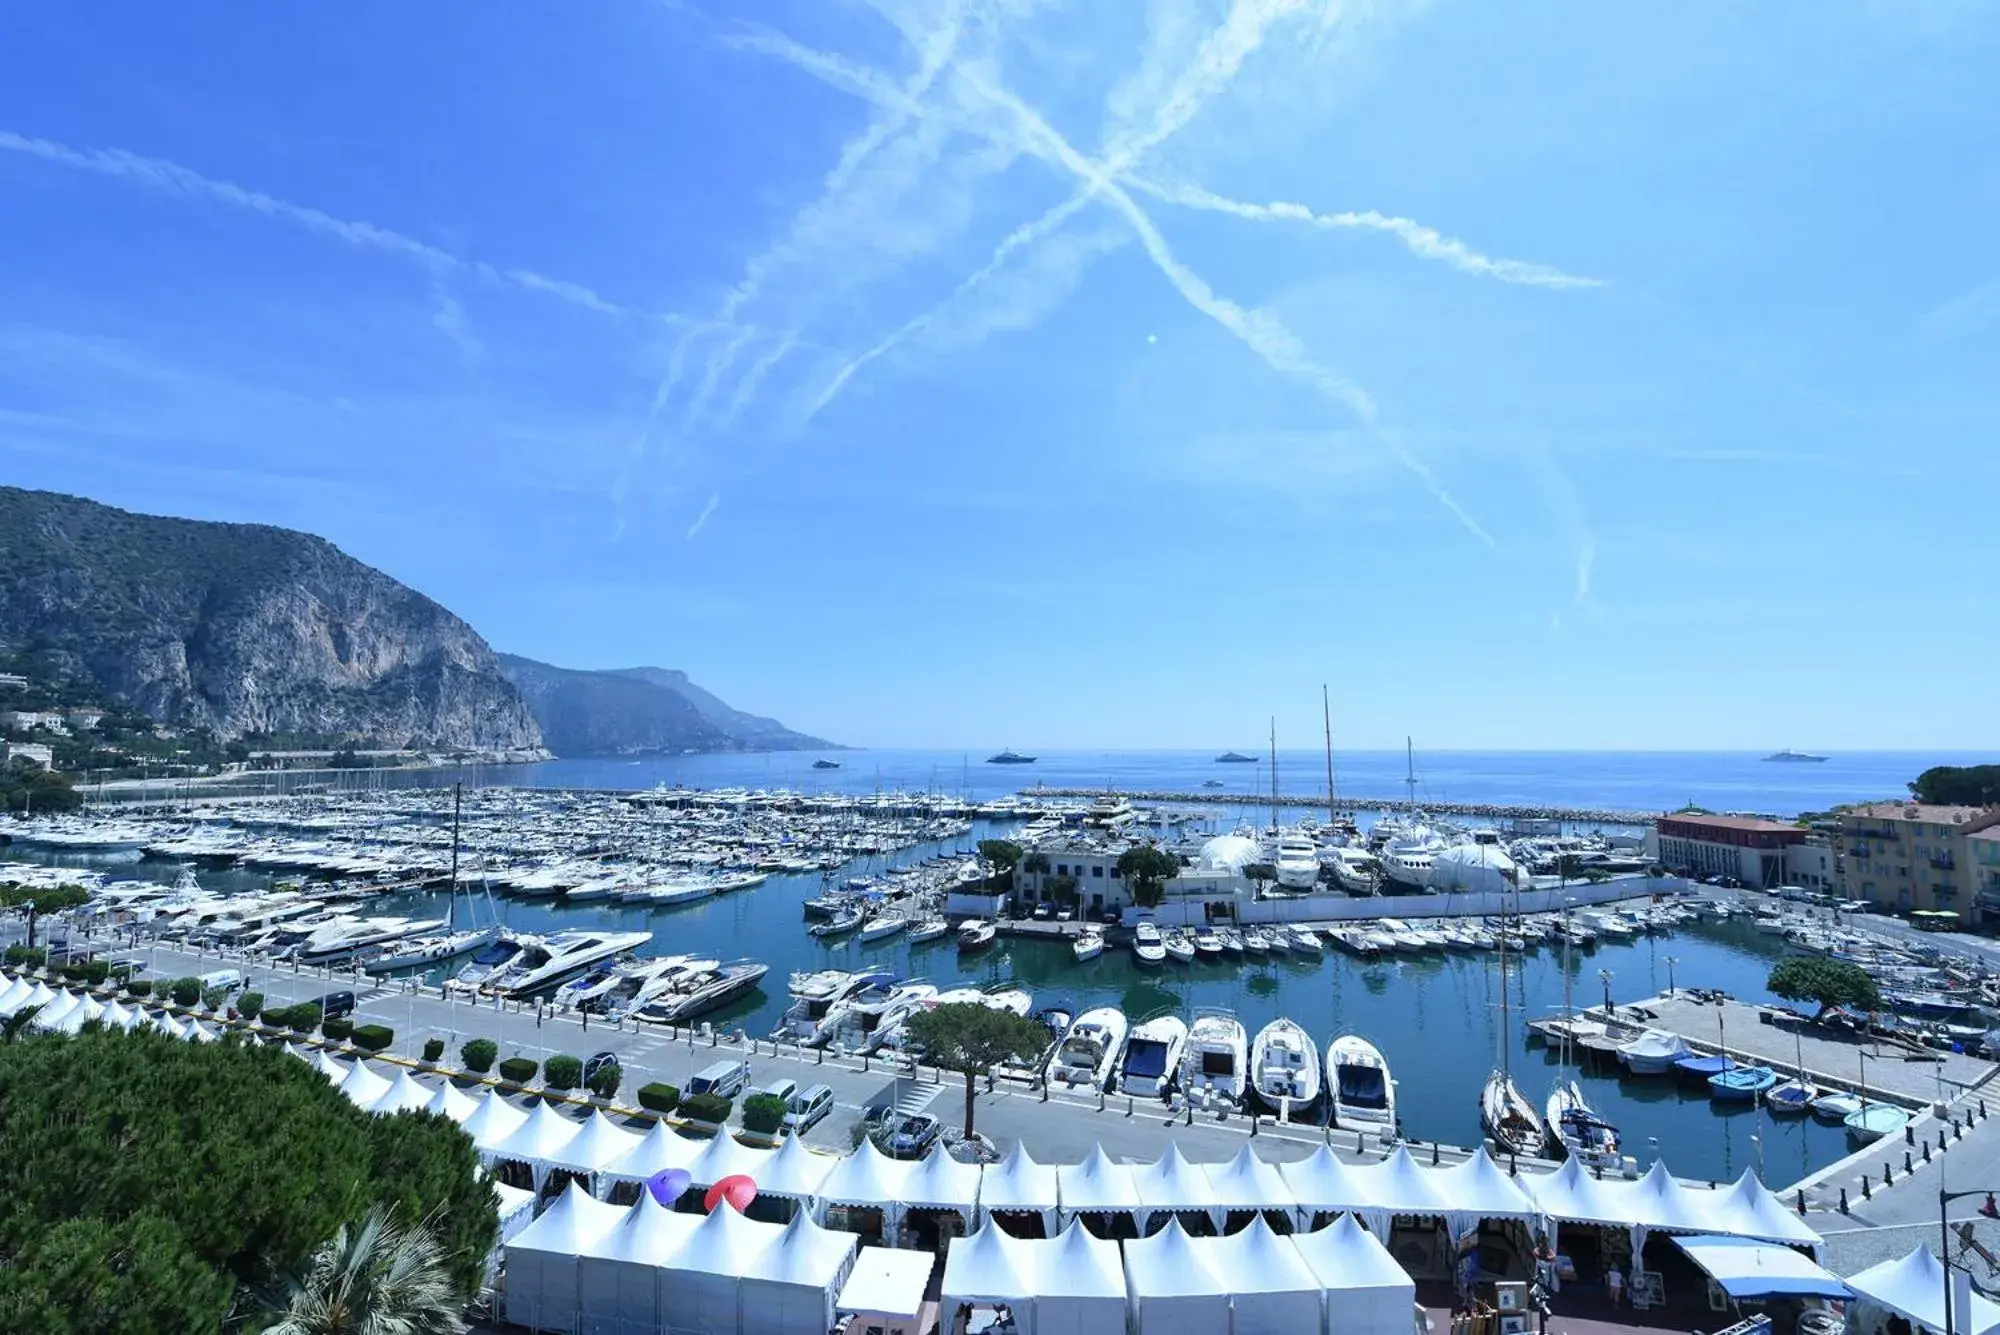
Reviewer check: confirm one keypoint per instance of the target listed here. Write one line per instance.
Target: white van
(229, 980)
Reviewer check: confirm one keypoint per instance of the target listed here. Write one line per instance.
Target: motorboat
(637, 988)
(1740, 1083)
(975, 934)
(1508, 1118)
(1231, 940)
(1255, 942)
(1297, 862)
(490, 961)
(1147, 947)
(704, 992)
(1653, 1052)
(1284, 1067)
(881, 927)
(1087, 945)
(1358, 1080)
(344, 940)
(591, 984)
(1356, 870)
(555, 959)
(858, 1023)
(423, 951)
(1208, 944)
(814, 995)
(843, 921)
(1305, 941)
(1006, 997)
(1575, 1129)
(1215, 1060)
(1153, 1056)
(930, 929)
(1179, 947)
(1088, 1055)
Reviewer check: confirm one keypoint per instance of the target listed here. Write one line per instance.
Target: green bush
(374, 1037)
(250, 1005)
(214, 997)
(185, 991)
(659, 1097)
(27, 957)
(478, 1055)
(763, 1113)
(138, 988)
(97, 971)
(301, 1018)
(433, 1051)
(72, 971)
(605, 1082)
(706, 1108)
(518, 1070)
(562, 1072)
(339, 1029)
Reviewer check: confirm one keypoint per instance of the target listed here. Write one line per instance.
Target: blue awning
(1742, 1268)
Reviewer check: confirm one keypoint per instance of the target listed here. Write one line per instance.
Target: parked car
(782, 1090)
(808, 1106)
(727, 1078)
(229, 980)
(597, 1063)
(1043, 910)
(912, 1137)
(335, 1005)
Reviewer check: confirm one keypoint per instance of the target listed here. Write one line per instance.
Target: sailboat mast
(1410, 770)
(1326, 711)
(451, 905)
(1505, 1066)
(1274, 773)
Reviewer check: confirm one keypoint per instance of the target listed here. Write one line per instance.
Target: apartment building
(1903, 856)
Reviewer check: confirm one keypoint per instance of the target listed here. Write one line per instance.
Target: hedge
(29, 957)
(658, 1097)
(605, 1082)
(478, 1055)
(518, 1070)
(302, 1018)
(138, 988)
(706, 1108)
(250, 1005)
(339, 1030)
(763, 1113)
(562, 1072)
(374, 1037)
(433, 1051)
(184, 991)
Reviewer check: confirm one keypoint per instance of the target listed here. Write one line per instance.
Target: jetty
(1490, 810)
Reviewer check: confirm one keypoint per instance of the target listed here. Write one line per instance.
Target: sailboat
(453, 941)
(1795, 1096)
(1574, 1127)
(1507, 1117)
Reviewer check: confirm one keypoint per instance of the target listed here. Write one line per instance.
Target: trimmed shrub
(72, 971)
(301, 1018)
(339, 1030)
(706, 1108)
(139, 989)
(374, 1037)
(26, 957)
(518, 1070)
(433, 1051)
(184, 991)
(250, 1005)
(478, 1055)
(605, 1082)
(763, 1113)
(97, 971)
(562, 1072)
(214, 997)
(658, 1097)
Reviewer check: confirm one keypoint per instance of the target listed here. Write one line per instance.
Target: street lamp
(1988, 1207)
(1604, 977)
(1672, 960)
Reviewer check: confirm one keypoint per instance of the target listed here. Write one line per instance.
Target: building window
(1062, 869)
(1097, 871)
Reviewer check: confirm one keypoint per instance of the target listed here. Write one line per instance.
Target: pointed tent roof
(865, 1177)
(805, 1254)
(1477, 1186)
(724, 1244)
(403, 1094)
(1171, 1183)
(1097, 1184)
(725, 1156)
(448, 1100)
(648, 1235)
(942, 1182)
(1753, 1212)
(173, 1028)
(197, 1032)
(25, 994)
(120, 1017)
(1018, 1183)
(1322, 1182)
(572, 1226)
(1257, 1260)
(324, 1061)
(1247, 1182)
(1398, 1186)
(990, 1266)
(1169, 1265)
(1344, 1255)
(794, 1171)
(600, 1142)
(542, 1133)
(362, 1085)
(1660, 1201)
(492, 1122)
(1913, 1286)
(1078, 1264)
(1573, 1193)
(13, 992)
(302, 1052)
(54, 1009)
(660, 1149)
(73, 1018)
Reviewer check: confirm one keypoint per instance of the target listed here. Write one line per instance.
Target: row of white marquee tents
(1462, 1194)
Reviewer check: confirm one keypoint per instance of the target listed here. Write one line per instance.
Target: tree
(1146, 871)
(604, 1081)
(1063, 890)
(26, 786)
(1958, 785)
(1825, 981)
(1003, 854)
(148, 1179)
(973, 1039)
(374, 1278)
(1036, 862)
(1260, 874)
(36, 901)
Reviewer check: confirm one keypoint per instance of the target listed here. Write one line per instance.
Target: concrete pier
(1494, 810)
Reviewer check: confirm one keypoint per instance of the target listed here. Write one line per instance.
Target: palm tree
(377, 1278)
(17, 1024)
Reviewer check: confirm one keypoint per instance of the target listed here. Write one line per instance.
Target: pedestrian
(1614, 1283)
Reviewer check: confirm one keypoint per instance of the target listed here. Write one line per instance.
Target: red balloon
(737, 1189)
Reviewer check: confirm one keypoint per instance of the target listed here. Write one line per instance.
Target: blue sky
(1045, 374)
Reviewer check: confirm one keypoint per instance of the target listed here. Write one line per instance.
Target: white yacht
(1087, 945)
(588, 989)
(863, 1021)
(1088, 1054)
(1575, 1129)
(704, 992)
(860, 1009)
(342, 940)
(1356, 870)
(1179, 946)
(1147, 947)
(1006, 997)
(1297, 862)
(1358, 1080)
(555, 959)
(424, 951)
(814, 995)
(930, 929)
(1305, 941)
(1153, 1056)
(881, 927)
(1284, 1067)
(1508, 1118)
(1216, 1059)
(491, 960)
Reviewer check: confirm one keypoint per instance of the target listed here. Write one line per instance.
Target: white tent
(725, 1156)
(1478, 1189)
(323, 1061)
(515, 1209)
(991, 1268)
(50, 1016)
(1373, 1294)
(299, 1050)
(1322, 1184)
(1271, 1289)
(1745, 1268)
(600, 1143)
(1171, 1183)
(1019, 1183)
(197, 1032)
(700, 1287)
(1571, 1195)
(1097, 1185)
(661, 1149)
(1914, 1288)
(362, 1085)
(448, 1100)
(491, 1123)
(941, 1182)
(543, 1259)
(75, 1017)
(791, 1287)
(14, 992)
(172, 1028)
(794, 1171)
(886, 1289)
(619, 1276)
(541, 1135)
(1659, 1201)
(22, 995)
(1172, 1289)
(1080, 1284)
(1397, 1186)
(1250, 1183)
(1753, 1211)
(120, 1018)
(865, 1177)
(404, 1094)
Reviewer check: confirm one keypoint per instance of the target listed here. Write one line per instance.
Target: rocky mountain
(639, 711)
(245, 628)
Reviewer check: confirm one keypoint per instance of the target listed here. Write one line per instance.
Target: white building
(41, 755)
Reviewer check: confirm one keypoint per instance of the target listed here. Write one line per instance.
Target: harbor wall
(1193, 911)
(1402, 805)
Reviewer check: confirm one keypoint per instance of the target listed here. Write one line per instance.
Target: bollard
(1100, 1100)
(1909, 1134)
(1927, 1151)
(1957, 1131)
(1434, 1154)
(1866, 1194)
(864, 1063)
(1802, 1202)
(1130, 1106)
(1906, 1163)
(1943, 1144)
(1045, 1091)
(1888, 1175)
(1513, 1165)
(1253, 1124)
(819, 1056)
(1982, 1110)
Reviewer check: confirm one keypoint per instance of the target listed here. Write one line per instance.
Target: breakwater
(1492, 810)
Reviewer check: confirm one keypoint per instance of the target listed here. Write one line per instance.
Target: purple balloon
(669, 1185)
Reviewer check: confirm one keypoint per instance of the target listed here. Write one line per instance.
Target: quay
(1402, 805)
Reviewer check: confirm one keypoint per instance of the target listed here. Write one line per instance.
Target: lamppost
(1672, 960)
(1604, 977)
(1989, 1207)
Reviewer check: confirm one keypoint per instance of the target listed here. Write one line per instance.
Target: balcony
(1944, 863)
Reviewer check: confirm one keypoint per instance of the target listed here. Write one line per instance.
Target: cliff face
(640, 711)
(245, 628)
